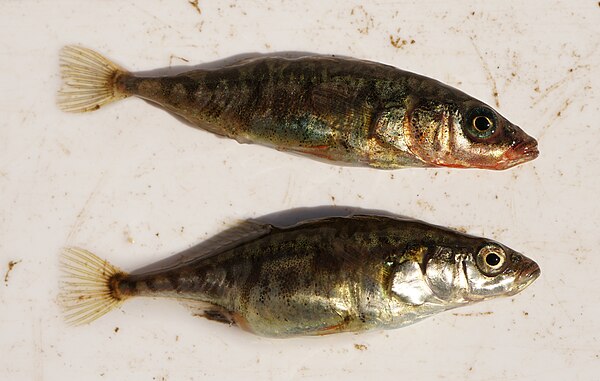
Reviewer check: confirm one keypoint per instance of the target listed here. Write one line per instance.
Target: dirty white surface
(135, 185)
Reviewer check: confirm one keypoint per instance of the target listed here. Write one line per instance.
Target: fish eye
(481, 123)
(491, 260)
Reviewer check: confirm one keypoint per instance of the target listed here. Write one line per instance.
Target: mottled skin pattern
(319, 277)
(347, 111)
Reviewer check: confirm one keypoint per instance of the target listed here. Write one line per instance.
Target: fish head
(466, 134)
(484, 270)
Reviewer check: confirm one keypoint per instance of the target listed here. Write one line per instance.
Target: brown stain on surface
(425, 205)
(194, 3)
(399, 42)
(173, 56)
(471, 314)
(360, 347)
(461, 229)
(367, 20)
(11, 266)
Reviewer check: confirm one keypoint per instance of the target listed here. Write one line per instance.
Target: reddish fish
(345, 111)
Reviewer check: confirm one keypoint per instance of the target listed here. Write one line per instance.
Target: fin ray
(89, 80)
(86, 286)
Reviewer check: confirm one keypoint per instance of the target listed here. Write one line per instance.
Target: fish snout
(523, 151)
(529, 273)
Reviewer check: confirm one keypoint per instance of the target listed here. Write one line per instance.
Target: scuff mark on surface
(64, 148)
(81, 215)
(555, 115)
(165, 24)
(558, 84)
(38, 350)
(488, 73)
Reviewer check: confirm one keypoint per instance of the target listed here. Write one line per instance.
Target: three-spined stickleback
(340, 110)
(337, 274)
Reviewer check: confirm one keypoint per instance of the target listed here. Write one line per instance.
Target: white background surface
(134, 185)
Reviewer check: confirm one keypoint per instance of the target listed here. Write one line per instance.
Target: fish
(317, 277)
(342, 111)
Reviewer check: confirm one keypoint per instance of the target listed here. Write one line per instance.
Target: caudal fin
(87, 290)
(88, 80)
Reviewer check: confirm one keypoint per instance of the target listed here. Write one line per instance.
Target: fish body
(345, 111)
(340, 274)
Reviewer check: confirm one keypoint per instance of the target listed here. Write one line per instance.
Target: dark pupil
(482, 123)
(492, 259)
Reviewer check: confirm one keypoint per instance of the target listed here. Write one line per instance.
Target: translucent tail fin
(88, 80)
(87, 290)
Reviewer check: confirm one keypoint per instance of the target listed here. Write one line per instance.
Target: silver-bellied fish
(340, 110)
(336, 274)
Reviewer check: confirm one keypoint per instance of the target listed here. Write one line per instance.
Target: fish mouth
(520, 153)
(527, 276)
(527, 150)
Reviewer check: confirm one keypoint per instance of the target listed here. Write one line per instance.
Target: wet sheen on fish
(343, 111)
(337, 274)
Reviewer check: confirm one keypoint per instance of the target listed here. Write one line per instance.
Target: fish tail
(89, 80)
(89, 286)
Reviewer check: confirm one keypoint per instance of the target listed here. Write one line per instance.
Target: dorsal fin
(242, 231)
